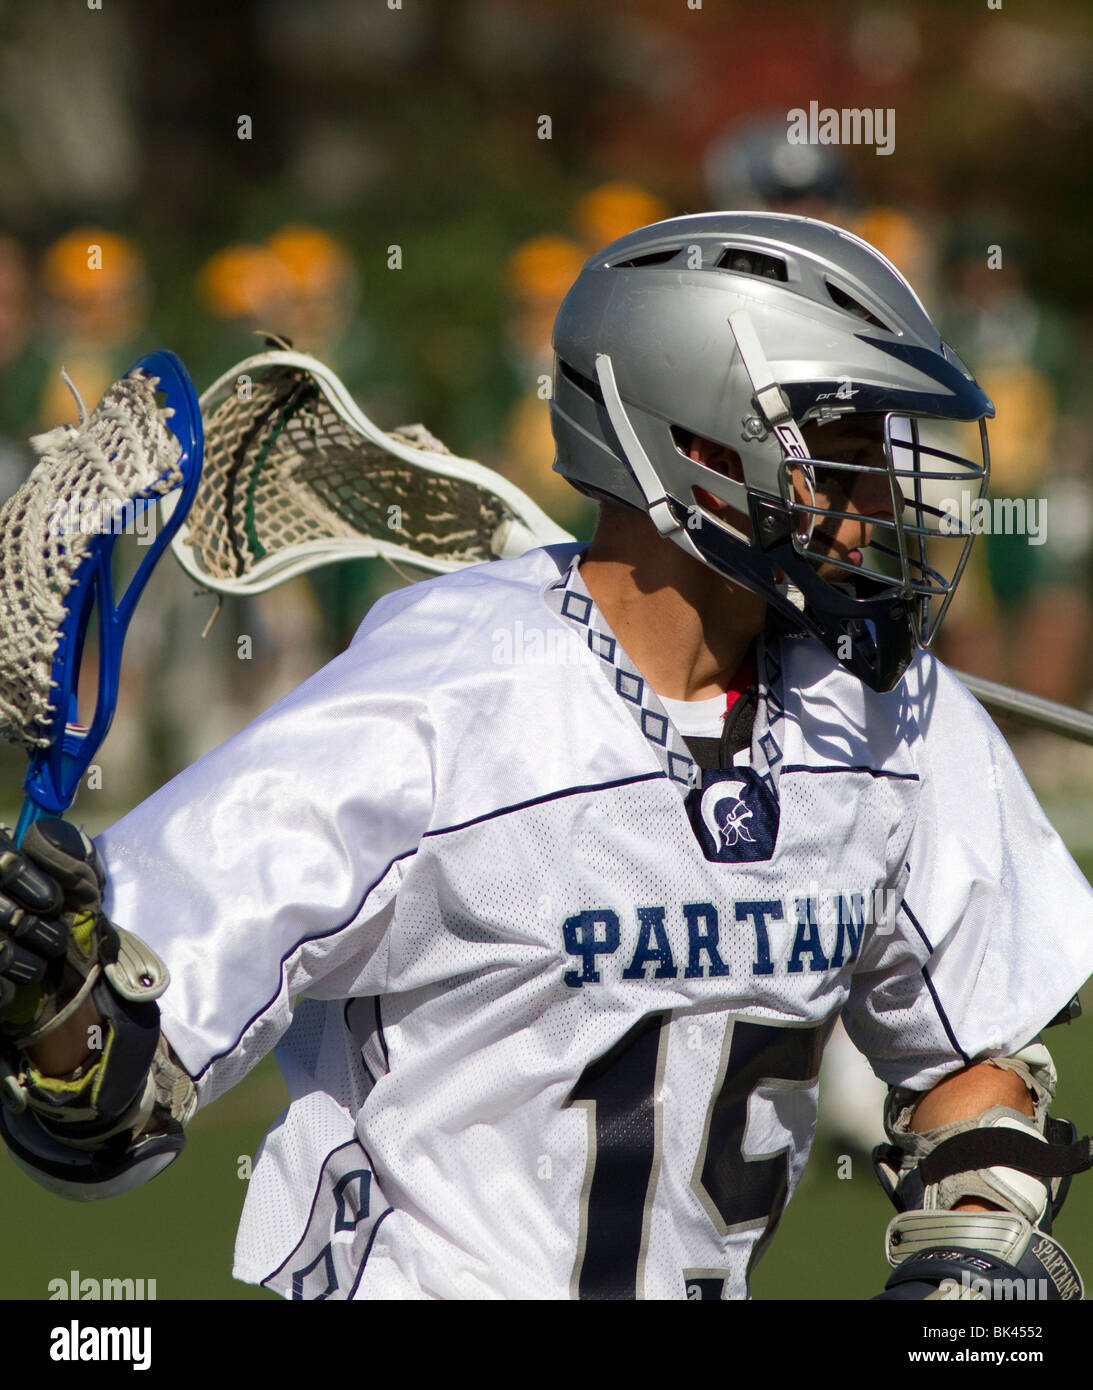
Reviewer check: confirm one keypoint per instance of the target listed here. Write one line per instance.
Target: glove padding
(54, 938)
(31, 937)
(54, 931)
(57, 950)
(976, 1255)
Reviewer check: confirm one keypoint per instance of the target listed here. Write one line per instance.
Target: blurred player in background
(301, 284)
(1026, 616)
(95, 314)
(20, 375)
(537, 276)
(751, 164)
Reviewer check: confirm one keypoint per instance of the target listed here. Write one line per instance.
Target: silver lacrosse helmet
(742, 329)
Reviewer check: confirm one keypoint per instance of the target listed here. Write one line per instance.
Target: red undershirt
(746, 676)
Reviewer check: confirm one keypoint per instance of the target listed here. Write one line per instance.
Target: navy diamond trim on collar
(569, 598)
(630, 687)
(599, 644)
(654, 726)
(577, 607)
(683, 770)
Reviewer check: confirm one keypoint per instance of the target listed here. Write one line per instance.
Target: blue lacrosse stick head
(55, 771)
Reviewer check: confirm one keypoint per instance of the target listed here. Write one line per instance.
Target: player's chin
(848, 558)
(835, 554)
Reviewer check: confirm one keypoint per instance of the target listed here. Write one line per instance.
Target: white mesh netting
(84, 485)
(284, 468)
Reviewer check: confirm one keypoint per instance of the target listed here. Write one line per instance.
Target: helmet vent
(652, 258)
(581, 382)
(752, 263)
(851, 306)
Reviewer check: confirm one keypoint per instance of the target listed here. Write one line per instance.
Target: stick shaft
(1031, 709)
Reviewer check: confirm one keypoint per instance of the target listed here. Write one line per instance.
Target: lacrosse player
(548, 891)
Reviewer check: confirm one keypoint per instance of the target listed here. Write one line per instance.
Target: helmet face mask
(912, 539)
(752, 331)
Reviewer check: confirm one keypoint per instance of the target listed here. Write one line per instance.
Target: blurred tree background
(419, 126)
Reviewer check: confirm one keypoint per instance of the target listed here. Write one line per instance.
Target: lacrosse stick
(57, 537)
(297, 477)
(1031, 709)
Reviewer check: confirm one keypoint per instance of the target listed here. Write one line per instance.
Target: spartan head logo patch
(734, 816)
(729, 815)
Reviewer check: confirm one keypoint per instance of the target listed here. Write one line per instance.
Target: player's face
(866, 496)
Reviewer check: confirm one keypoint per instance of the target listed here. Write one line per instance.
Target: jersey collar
(569, 598)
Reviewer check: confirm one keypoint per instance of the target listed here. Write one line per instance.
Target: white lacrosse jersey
(549, 999)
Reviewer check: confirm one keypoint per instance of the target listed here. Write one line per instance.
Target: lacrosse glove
(58, 950)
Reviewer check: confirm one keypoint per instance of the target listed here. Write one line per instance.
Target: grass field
(179, 1229)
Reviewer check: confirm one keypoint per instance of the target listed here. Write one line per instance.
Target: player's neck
(686, 629)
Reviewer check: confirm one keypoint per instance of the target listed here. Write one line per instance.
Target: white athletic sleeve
(994, 932)
(266, 870)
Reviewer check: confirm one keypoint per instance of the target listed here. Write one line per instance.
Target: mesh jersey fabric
(544, 1036)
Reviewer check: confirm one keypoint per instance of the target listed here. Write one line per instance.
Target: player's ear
(716, 456)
